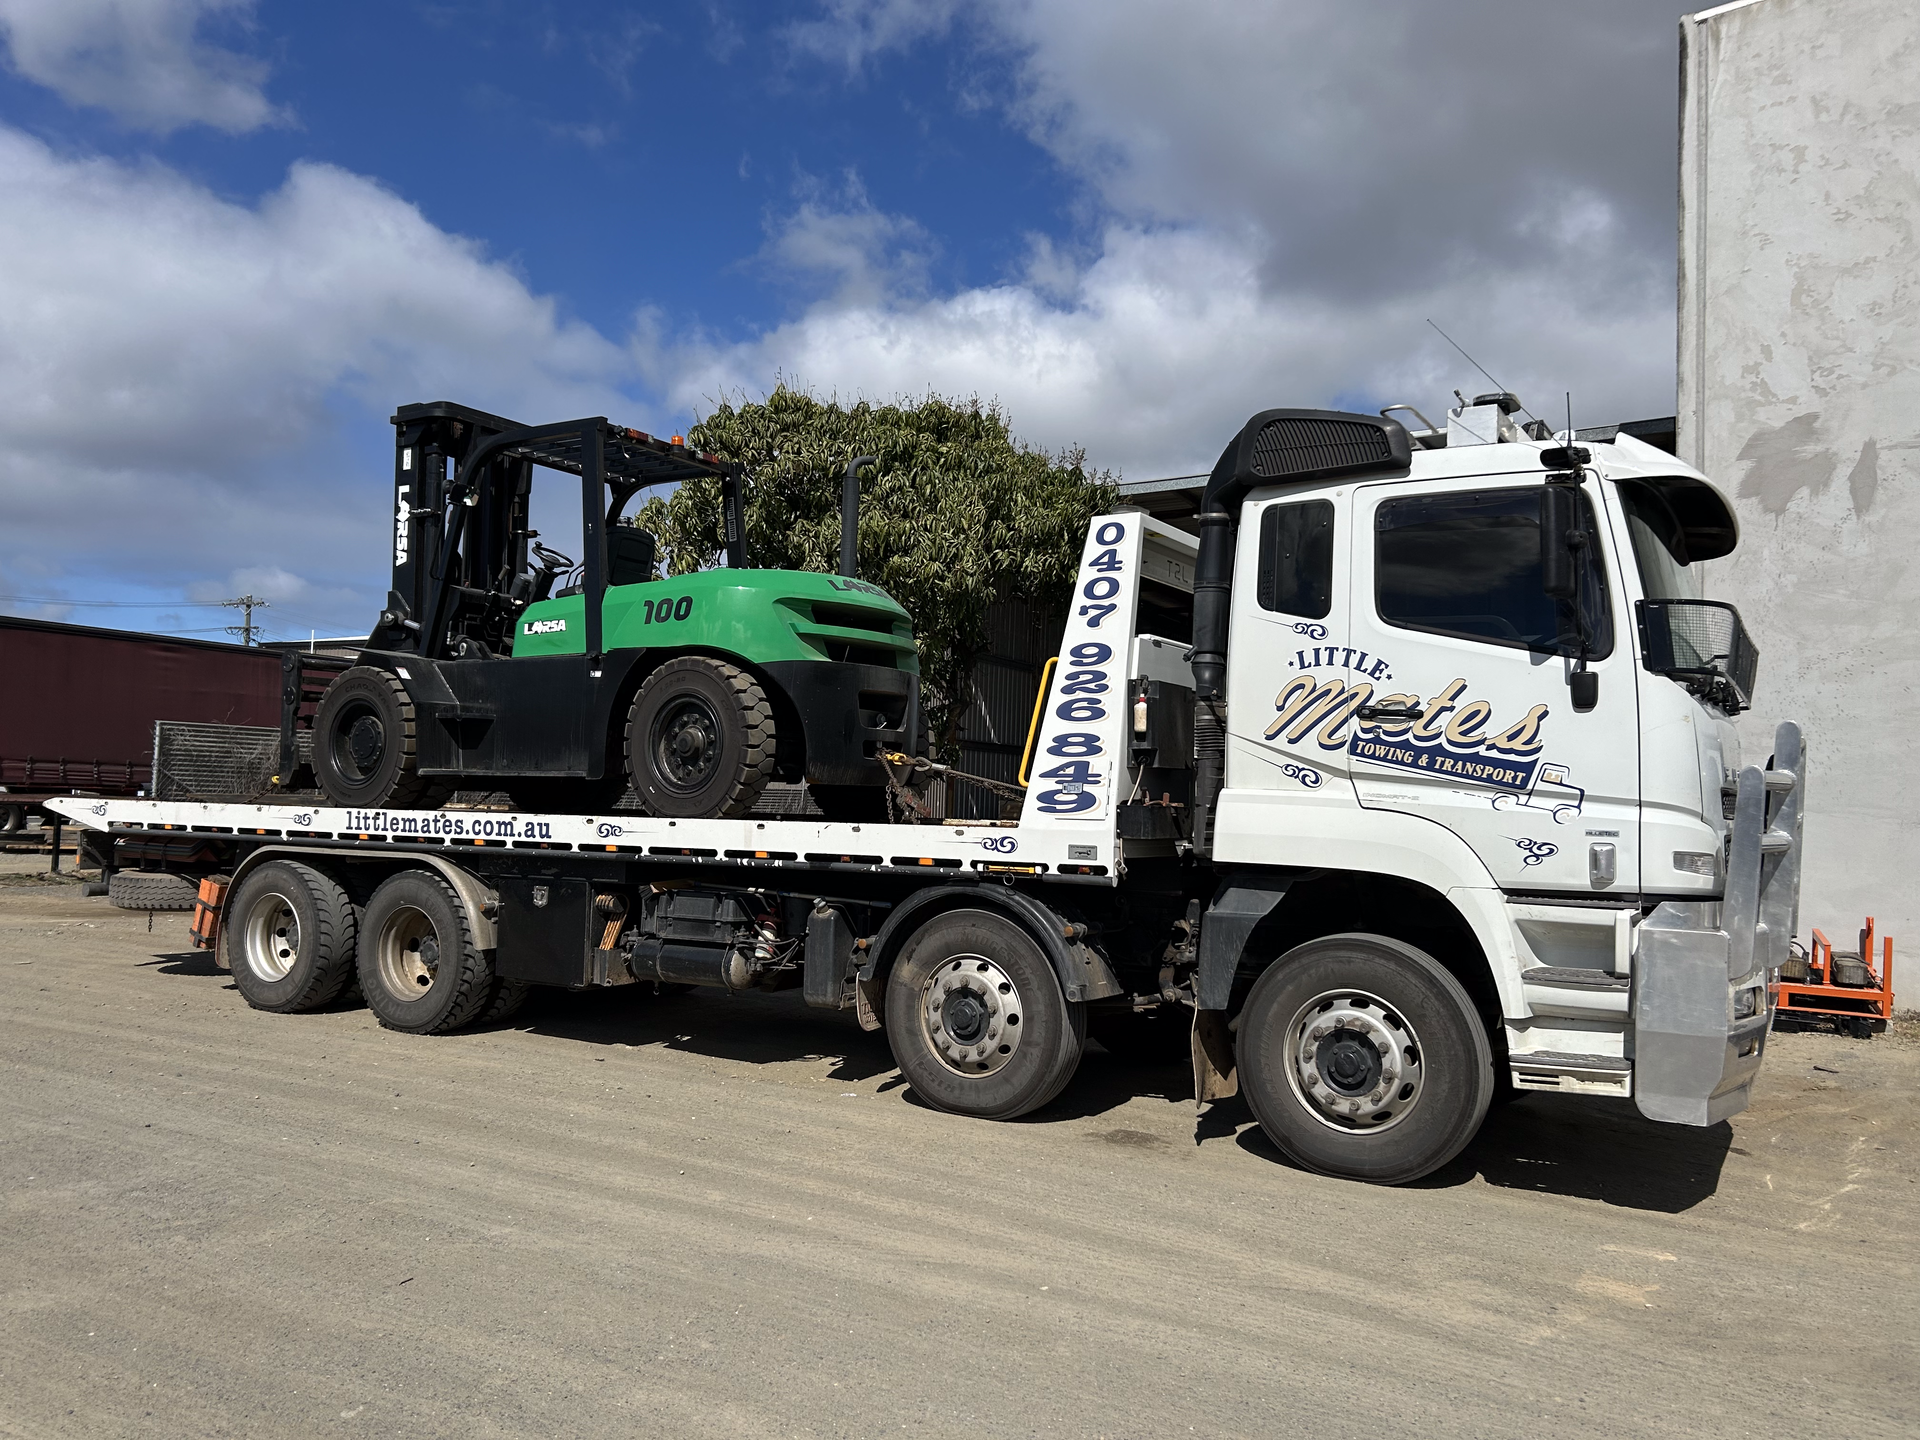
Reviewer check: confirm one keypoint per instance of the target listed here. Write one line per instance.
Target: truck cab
(1466, 680)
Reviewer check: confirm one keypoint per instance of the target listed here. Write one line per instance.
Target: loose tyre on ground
(289, 937)
(700, 739)
(150, 890)
(419, 967)
(1362, 1057)
(977, 1020)
(363, 746)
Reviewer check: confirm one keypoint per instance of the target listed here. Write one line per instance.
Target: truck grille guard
(1701, 969)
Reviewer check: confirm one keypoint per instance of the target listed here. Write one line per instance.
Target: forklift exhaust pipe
(850, 513)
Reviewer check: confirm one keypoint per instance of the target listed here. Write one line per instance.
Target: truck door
(1289, 698)
(1471, 721)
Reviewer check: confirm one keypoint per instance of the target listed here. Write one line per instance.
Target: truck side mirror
(1559, 518)
(1583, 687)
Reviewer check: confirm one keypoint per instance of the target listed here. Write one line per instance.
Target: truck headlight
(1696, 862)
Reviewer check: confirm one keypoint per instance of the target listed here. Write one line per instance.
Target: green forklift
(499, 663)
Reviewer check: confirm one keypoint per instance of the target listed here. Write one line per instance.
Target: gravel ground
(696, 1215)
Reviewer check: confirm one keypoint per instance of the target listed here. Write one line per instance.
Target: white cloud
(1282, 196)
(850, 32)
(178, 369)
(142, 60)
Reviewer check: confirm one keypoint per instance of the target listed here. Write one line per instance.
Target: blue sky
(238, 232)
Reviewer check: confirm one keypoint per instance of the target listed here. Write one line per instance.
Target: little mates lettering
(1445, 734)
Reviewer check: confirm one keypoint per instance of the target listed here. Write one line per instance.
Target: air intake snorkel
(1273, 447)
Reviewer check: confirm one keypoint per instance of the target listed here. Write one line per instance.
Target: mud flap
(1214, 1074)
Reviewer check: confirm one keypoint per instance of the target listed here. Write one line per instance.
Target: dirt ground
(628, 1215)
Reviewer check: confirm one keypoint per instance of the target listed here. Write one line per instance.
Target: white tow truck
(1412, 780)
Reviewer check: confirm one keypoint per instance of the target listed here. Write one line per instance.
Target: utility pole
(246, 604)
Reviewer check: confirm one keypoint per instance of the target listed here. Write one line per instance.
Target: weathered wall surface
(1800, 389)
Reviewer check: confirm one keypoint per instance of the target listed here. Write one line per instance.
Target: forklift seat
(629, 555)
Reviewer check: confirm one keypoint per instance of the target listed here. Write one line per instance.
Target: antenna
(1571, 437)
(1481, 368)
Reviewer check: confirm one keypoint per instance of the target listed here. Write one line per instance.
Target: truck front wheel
(1362, 1057)
(977, 1020)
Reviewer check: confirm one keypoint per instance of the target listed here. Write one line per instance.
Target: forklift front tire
(363, 751)
(700, 739)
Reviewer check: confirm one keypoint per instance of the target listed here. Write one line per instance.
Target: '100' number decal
(1085, 689)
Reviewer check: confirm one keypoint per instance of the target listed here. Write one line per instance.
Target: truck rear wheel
(363, 749)
(1362, 1057)
(700, 739)
(419, 967)
(289, 935)
(977, 1020)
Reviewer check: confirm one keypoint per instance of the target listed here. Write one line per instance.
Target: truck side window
(1468, 564)
(1296, 558)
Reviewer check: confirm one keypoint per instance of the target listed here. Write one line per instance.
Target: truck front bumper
(1701, 968)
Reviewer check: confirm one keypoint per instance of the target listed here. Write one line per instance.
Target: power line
(113, 604)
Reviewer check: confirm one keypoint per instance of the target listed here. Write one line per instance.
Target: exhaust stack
(850, 514)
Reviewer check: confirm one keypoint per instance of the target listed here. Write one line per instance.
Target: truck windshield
(1659, 544)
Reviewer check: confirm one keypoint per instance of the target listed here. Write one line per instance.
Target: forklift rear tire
(700, 739)
(419, 967)
(289, 935)
(1362, 1057)
(364, 745)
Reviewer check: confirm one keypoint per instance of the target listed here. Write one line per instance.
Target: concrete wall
(1800, 389)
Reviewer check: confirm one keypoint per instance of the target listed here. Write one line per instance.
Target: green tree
(956, 514)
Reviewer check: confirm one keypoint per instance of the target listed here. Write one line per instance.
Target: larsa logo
(403, 514)
(542, 627)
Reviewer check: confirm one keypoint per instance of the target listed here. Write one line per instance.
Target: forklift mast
(462, 481)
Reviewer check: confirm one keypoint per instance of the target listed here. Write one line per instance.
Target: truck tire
(290, 936)
(503, 1002)
(13, 819)
(1362, 1057)
(150, 890)
(700, 739)
(364, 739)
(977, 1020)
(419, 968)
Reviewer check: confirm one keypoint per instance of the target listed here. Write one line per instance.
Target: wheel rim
(359, 741)
(686, 743)
(972, 1012)
(270, 936)
(407, 954)
(1354, 1062)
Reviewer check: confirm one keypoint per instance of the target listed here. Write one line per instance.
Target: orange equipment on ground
(1842, 989)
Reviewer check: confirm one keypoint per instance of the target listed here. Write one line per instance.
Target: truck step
(1565, 1071)
(1573, 978)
